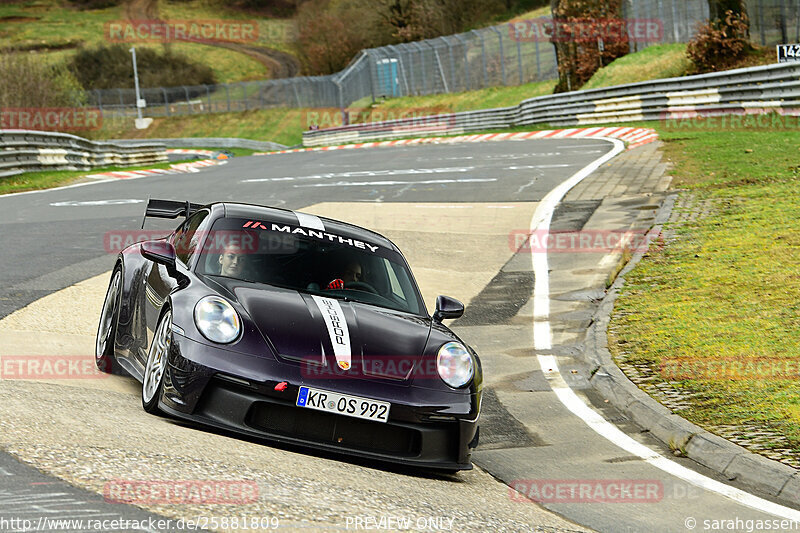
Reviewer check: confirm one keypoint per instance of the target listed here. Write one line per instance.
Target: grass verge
(32, 181)
(721, 302)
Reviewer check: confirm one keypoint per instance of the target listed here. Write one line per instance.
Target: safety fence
(772, 88)
(24, 150)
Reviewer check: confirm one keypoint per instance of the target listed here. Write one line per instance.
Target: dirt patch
(18, 18)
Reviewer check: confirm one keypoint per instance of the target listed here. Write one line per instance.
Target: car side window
(187, 238)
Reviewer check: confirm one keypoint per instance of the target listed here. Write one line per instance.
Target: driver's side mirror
(447, 307)
(161, 252)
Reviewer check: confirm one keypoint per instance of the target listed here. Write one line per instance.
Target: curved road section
(471, 220)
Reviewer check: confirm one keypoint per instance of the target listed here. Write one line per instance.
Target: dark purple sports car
(295, 328)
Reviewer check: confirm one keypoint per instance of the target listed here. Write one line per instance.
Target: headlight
(217, 320)
(454, 364)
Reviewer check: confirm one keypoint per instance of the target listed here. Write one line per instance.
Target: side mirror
(447, 307)
(160, 252)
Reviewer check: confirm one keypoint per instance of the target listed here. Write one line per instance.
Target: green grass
(55, 24)
(728, 289)
(654, 62)
(31, 181)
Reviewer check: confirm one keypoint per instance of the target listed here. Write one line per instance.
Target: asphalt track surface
(49, 247)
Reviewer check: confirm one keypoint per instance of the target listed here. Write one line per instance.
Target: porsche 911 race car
(295, 328)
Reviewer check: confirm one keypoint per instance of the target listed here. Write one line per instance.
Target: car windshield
(311, 261)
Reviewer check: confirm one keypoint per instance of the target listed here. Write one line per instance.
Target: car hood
(331, 336)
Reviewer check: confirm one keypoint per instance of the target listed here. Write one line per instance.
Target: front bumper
(425, 428)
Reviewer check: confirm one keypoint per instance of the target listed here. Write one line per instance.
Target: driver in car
(351, 273)
(232, 261)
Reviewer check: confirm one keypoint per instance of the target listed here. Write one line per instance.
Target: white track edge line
(543, 341)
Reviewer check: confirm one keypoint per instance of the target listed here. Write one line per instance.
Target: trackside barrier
(209, 142)
(25, 151)
(749, 90)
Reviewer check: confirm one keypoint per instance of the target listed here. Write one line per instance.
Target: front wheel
(153, 380)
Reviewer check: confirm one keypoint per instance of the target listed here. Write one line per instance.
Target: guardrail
(209, 142)
(749, 90)
(25, 151)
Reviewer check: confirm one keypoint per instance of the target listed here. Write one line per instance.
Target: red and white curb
(633, 136)
(178, 168)
(209, 153)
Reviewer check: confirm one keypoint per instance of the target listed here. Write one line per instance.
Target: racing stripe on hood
(309, 221)
(337, 329)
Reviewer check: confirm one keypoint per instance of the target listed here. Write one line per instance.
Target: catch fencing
(24, 151)
(773, 88)
(501, 55)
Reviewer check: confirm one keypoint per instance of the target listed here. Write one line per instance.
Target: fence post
(502, 55)
(99, 98)
(228, 96)
(208, 97)
(188, 101)
(244, 92)
(519, 55)
(452, 63)
(465, 44)
(483, 57)
(538, 59)
(166, 102)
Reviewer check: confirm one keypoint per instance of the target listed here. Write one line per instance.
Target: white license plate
(343, 404)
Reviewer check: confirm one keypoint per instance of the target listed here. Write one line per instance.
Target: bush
(720, 43)
(111, 67)
(27, 82)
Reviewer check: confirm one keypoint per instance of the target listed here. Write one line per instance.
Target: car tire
(157, 354)
(104, 356)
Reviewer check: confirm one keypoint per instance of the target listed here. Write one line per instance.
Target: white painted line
(368, 173)
(380, 183)
(542, 340)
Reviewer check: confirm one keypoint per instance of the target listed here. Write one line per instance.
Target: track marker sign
(788, 52)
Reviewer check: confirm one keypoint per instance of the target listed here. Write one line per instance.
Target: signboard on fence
(788, 53)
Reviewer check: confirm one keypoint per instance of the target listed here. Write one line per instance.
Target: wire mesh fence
(515, 53)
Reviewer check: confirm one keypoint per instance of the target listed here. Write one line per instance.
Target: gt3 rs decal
(309, 221)
(337, 329)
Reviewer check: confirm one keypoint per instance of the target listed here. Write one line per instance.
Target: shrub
(719, 43)
(111, 67)
(27, 82)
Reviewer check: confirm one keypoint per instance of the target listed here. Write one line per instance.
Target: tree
(587, 34)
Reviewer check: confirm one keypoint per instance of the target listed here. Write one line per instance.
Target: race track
(454, 210)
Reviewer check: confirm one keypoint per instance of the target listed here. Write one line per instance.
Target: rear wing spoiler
(169, 209)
